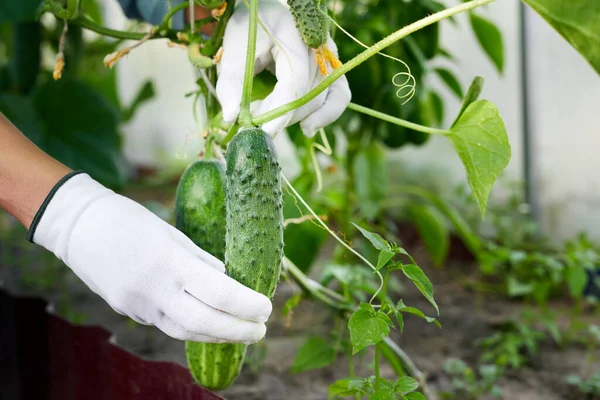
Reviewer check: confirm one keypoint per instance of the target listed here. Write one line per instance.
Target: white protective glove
(295, 67)
(145, 268)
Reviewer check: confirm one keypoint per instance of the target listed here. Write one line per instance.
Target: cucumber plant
(254, 206)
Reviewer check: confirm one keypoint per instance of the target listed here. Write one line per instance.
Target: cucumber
(200, 206)
(254, 238)
(199, 214)
(312, 24)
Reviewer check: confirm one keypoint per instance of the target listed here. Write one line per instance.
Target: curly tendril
(407, 88)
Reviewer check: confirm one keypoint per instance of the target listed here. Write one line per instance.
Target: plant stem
(410, 368)
(167, 18)
(396, 121)
(313, 288)
(377, 355)
(365, 55)
(336, 237)
(86, 23)
(212, 45)
(245, 115)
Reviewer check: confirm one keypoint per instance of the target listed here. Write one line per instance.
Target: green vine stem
(87, 23)
(80, 20)
(165, 24)
(245, 115)
(336, 237)
(365, 55)
(388, 349)
(409, 367)
(314, 289)
(396, 121)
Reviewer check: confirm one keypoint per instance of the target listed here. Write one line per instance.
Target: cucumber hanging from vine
(313, 24)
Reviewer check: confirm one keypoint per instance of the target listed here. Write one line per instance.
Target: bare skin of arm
(27, 174)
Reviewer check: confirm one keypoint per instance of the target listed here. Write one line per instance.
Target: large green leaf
(480, 139)
(367, 327)
(315, 353)
(73, 123)
(489, 38)
(578, 21)
(18, 10)
(370, 179)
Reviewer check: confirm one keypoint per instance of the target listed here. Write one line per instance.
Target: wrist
(27, 174)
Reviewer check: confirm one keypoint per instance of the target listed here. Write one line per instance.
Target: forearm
(27, 174)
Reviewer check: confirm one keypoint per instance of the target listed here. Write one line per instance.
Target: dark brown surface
(42, 356)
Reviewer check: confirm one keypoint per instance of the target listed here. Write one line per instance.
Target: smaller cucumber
(310, 20)
(200, 214)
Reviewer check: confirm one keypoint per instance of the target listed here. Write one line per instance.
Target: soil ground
(466, 316)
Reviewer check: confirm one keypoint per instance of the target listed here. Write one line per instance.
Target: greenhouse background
(548, 96)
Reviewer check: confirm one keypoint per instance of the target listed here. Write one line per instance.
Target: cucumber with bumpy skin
(254, 240)
(310, 20)
(200, 215)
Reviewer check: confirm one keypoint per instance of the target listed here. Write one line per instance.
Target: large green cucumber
(254, 242)
(199, 213)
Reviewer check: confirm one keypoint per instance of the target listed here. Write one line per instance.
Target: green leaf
(346, 387)
(315, 353)
(471, 96)
(432, 230)
(383, 393)
(399, 319)
(18, 10)
(400, 307)
(406, 384)
(80, 129)
(578, 21)
(367, 327)
(489, 38)
(451, 81)
(384, 256)
(414, 396)
(145, 93)
(378, 242)
(516, 288)
(291, 304)
(370, 179)
(576, 280)
(420, 280)
(481, 142)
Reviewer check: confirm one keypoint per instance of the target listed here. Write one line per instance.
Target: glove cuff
(42, 209)
(54, 221)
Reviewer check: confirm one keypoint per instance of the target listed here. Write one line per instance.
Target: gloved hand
(295, 67)
(145, 268)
